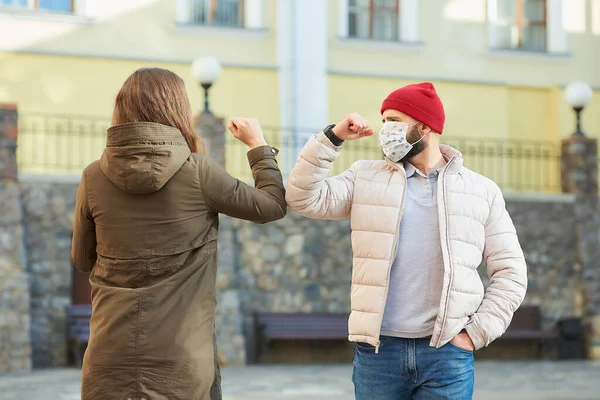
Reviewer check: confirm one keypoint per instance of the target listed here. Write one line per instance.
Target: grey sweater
(418, 270)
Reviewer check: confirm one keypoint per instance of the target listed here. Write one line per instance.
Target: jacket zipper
(447, 263)
(395, 248)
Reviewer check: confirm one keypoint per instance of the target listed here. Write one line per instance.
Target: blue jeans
(406, 369)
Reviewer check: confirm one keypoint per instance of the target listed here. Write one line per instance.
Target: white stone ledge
(370, 74)
(378, 45)
(564, 198)
(122, 57)
(46, 16)
(49, 178)
(217, 31)
(522, 55)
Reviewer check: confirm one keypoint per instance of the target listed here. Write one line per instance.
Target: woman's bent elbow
(280, 212)
(274, 214)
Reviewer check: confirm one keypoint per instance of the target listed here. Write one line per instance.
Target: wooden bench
(526, 325)
(296, 326)
(78, 321)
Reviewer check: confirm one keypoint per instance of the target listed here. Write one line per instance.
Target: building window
(62, 6)
(373, 19)
(227, 13)
(519, 24)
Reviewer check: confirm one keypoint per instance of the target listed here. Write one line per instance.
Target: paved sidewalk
(494, 381)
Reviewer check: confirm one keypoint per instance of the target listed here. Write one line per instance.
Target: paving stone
(493, 381)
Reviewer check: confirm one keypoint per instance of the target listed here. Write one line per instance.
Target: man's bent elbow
(296, 203)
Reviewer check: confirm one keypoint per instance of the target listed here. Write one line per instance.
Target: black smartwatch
(328, 131)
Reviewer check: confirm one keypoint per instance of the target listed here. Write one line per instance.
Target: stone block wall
(579, 165)
(15, 322)
(231, 342)
(545, 228)
(15, 344)
(48, 209)
(295, 264)
(304, 265)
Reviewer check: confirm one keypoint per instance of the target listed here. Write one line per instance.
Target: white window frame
(595, 11)
(556, 35)
(31, 7)
(408, 21)
(252, 19)
(82, 12)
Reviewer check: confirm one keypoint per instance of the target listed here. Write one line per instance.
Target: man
(421, 225)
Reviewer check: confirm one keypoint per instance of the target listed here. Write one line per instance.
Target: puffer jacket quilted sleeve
(311, 192)
(507, 271)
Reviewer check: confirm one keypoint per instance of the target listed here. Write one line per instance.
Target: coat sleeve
(83, 245)
(311, 192)
(507, 271)
(265, 202)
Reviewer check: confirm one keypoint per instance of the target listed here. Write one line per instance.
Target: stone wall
(579, 166)
(15, 346)
(47, 205)
(304, 265)
(48, 221)
(295, 264)
(545, 228)
(231, 343)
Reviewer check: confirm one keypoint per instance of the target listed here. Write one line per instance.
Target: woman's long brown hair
(157, 95)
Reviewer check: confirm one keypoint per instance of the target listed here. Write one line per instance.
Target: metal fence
(67, 144)
(515, 165)
(59, 144)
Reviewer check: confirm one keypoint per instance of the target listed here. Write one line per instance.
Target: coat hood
(141, 157)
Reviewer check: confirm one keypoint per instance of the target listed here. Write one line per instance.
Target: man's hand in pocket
(463, 340)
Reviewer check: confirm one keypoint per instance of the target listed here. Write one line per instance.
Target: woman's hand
(247, 131)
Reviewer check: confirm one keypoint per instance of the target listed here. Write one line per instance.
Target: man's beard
(411, 137)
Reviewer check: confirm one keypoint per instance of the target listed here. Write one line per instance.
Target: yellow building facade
(500, 67)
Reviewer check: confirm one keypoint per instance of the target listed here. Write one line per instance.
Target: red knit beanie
(419, 101)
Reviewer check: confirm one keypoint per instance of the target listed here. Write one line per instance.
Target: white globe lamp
(578, 94)
(206, 70)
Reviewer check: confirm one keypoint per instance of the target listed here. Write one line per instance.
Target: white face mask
(392, 138)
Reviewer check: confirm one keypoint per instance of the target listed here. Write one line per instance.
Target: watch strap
(328, 131)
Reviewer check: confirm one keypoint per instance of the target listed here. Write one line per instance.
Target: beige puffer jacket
(474, 226)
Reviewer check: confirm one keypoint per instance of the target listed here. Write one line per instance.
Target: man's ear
(424, 129)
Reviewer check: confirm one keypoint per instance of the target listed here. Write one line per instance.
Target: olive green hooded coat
(146, 224)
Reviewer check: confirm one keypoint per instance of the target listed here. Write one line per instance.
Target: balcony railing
(67, 144)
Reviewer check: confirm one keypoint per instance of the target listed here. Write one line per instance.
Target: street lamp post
(206, 70)
(211, 128)
(578, 94)
(579, 176)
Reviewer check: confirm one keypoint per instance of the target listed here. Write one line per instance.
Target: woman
(145, 228)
